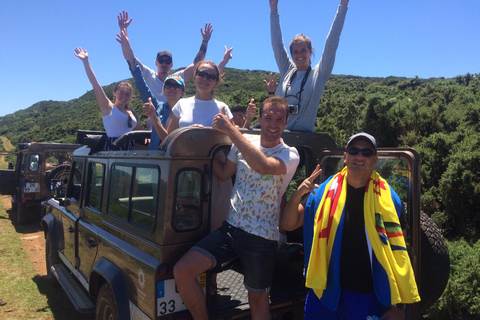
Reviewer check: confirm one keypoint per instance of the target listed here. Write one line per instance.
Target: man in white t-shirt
(264, 166)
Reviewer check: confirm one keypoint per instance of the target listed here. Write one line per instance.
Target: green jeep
(128, 216)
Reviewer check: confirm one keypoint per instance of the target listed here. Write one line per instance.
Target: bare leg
(260, 305)
(186, 271)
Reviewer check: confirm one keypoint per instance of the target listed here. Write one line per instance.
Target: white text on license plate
(31, 187)
(168, 298)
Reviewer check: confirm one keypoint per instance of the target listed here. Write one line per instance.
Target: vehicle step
(81, 301)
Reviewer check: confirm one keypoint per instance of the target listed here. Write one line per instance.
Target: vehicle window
(96, 175)
(55, 158)
(76, 187)
(188, 203)
(134, 194)
(33, 163)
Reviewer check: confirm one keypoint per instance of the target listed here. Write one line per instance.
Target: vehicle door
(89, 224)
(70, 215)
(8, 176)
(400, 167)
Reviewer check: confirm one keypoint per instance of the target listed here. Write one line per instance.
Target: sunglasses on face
(367, 153)
(203, 74)
(167, 61)
(129, 122)
(175, 86)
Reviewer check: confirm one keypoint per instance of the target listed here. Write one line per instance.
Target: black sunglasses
(367, 153)
(167, 61)
(174, 85)
(129, 122)
(203, 74)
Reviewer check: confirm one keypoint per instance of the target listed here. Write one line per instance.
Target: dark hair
(237, 108)
(211, 63)
(277, 101)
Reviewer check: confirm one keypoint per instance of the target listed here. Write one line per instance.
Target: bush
(461, 298)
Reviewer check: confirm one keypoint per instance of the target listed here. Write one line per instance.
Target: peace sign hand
(308, 184)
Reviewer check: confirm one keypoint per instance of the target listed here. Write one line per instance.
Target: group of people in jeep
(356, 262)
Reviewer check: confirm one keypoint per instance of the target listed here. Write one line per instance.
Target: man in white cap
(356, 261)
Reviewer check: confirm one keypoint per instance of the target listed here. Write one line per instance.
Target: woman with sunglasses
(301, 84)
(117, 117)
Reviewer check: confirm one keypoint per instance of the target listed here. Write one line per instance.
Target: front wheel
(106, 308)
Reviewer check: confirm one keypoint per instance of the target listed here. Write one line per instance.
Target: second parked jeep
(28, 180)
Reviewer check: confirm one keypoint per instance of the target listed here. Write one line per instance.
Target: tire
(23, 216)
(435, 263)
(59, 173)
(106, 308)
(51, 258)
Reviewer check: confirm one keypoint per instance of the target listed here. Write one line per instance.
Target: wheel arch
(106, 271)
(48, 224)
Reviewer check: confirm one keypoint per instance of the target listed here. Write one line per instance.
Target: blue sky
(407, 38)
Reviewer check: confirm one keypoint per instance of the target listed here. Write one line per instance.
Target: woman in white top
(200, 109)
(302, 84)
(117, 117)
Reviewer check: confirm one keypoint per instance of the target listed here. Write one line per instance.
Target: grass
(19, 282)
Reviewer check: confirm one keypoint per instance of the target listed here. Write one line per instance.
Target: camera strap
(302, 85)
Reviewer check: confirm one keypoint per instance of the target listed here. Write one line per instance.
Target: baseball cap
(362, 136)
(176, 78)
(162, 53)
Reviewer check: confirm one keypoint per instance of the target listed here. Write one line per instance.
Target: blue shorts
(256, 254)
(351, 306)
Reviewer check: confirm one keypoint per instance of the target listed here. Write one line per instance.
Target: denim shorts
(256, 254)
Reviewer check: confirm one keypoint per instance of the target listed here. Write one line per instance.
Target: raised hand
(80, 53)
(344, 3)
(308, 184)
(272, 84)
(228, 53)
(207, 33)
(251, 109)
(148, 109)
(123, 21)
(221, 122)
(273, 5)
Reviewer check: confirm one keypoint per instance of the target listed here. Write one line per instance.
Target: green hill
(438, 117)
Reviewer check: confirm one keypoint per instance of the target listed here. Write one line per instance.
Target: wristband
(205, 41)
(269, 92)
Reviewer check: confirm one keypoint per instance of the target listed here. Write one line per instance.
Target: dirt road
(40, 300)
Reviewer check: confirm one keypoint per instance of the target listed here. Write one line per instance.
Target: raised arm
(123, 23)
(251, 111)
(291, 216)
(254, 157)
(122, 38)
(206, 35)
(149, 110)
(226, 57)
(325, 65)
(279, 50)
(104, 103)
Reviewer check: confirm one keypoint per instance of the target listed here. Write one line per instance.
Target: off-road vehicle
(128, 216)
(28, 178)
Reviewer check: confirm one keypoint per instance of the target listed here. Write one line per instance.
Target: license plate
(168, 298)
(31, 187)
